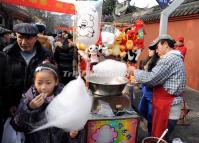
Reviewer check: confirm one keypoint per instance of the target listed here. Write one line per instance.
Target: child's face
(45, 82)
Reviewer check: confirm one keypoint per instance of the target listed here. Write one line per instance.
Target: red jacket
(182, 50)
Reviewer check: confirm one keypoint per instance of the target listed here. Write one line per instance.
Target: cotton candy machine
(109, 90)
(123, 125)
(103, 86)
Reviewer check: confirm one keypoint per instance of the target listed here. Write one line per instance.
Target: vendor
(168, 80)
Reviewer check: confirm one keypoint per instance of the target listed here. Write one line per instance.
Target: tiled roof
(188, 8)
(12, 9)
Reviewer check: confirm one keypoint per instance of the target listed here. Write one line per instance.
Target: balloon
(88, 21)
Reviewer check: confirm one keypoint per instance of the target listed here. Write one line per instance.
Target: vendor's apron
(161, 103)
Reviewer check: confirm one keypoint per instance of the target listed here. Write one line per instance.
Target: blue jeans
(145, 109)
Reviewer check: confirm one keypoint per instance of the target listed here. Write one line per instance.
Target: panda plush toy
(93, 52)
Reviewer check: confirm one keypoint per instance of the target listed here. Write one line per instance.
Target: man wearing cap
(23, 57)
(168, 80)
(4, 38)
(180, 46)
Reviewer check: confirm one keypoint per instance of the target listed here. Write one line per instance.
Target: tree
(108, 7)
(107, 10)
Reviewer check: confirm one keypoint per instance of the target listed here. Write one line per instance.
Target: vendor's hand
(134, 82)
(131, 70)
(73, 134)
(37, 101)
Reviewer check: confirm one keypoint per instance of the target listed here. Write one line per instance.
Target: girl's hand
(73, 134)
(37, 101)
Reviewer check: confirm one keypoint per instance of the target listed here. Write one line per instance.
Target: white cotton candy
(70, 109)
(109, 69)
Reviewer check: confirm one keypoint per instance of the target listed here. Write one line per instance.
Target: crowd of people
(34, 68)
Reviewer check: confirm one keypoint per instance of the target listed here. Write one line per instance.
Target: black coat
(2, 84)
(19, 75)
(64, 58)
(2, 44)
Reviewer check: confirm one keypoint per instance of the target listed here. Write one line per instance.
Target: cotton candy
(109, 69)
(70, 109)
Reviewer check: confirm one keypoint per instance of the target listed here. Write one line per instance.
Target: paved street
(188, 134)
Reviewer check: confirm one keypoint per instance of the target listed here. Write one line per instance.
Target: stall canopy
(49, 5)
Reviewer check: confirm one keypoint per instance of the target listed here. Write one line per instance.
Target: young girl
(31, 111)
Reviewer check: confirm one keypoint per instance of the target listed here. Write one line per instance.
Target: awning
(49, 5)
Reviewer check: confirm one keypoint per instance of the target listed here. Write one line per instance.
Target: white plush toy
(93, 54)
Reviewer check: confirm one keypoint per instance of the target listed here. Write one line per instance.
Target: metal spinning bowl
(107, 86)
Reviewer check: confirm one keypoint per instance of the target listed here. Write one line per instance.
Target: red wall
(189, 29)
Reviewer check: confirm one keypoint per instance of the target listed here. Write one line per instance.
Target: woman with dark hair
(145, 105)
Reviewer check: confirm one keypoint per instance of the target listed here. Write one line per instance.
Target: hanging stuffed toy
(123, 49)
(139, 29)
(93, 54)
(132, 42)
(119, 46)
(131, 36)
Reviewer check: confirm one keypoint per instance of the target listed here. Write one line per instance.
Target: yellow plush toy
(118, 47)
(81, 46)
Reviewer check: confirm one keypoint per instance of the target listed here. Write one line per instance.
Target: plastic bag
(104, 109)
(10, 135)
(88, 21)
(108, 34)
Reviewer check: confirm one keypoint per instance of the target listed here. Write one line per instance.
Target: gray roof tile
(189, 7)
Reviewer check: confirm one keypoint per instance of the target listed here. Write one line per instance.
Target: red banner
(49, 5)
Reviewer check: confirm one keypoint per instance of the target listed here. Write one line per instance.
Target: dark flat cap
(153, 45)
(4, 31)
(25, 28)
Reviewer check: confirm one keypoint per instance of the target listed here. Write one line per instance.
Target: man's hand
(37, 101)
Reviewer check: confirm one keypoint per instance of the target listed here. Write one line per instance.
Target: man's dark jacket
(19, 75)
